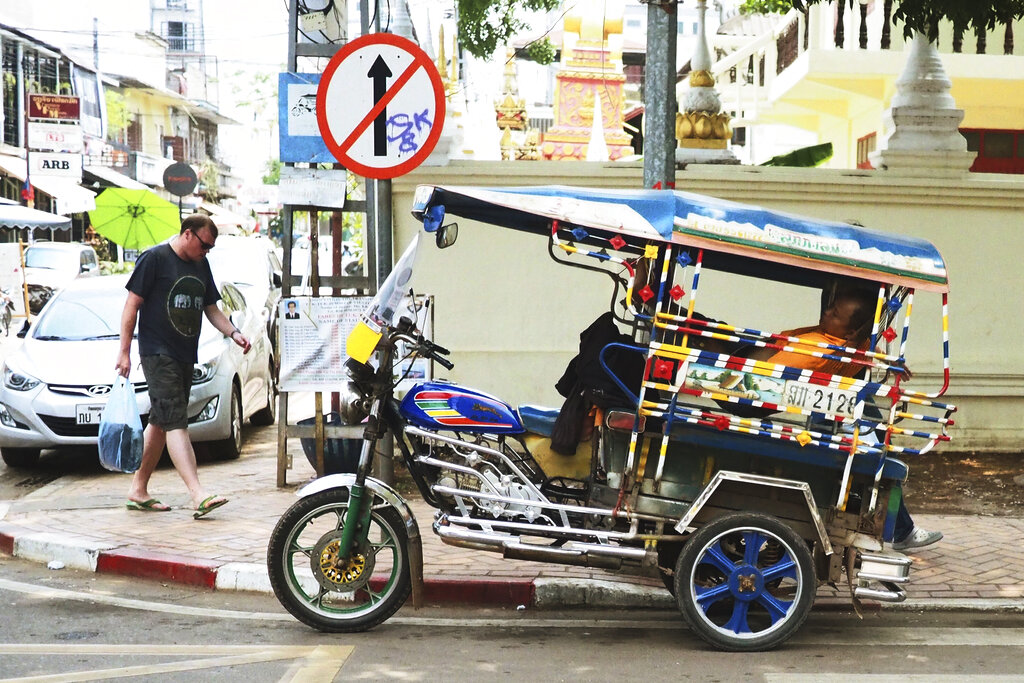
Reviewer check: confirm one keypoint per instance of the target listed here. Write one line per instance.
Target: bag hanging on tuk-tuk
(586, 383)
(120, 437)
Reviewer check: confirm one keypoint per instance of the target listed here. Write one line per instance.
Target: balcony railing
(747, 66)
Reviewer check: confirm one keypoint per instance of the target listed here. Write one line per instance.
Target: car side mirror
(237, 318)
(277, 279)
(24, 329)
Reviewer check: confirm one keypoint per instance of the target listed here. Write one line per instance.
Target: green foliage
(541, 51)
(115, 268)
(766, 6)
(118, 116)
(272, 172)
(924, 15)
(209, 181)
(484, 25)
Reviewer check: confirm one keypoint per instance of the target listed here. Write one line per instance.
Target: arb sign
(380, 106)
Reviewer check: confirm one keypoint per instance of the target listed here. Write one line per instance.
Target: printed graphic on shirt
(185, 305)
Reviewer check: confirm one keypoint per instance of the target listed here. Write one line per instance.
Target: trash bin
(340, 455)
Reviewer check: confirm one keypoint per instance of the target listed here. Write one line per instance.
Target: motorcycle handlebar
(429, 349)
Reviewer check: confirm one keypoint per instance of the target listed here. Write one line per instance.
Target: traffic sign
(380, 106)
(179, 179)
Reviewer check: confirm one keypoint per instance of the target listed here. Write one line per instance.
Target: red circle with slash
(380, 106)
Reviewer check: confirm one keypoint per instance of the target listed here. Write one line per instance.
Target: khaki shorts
(170, 382)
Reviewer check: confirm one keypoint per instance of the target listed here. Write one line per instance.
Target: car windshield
(81, 315)
(52, 259)
(95, 314)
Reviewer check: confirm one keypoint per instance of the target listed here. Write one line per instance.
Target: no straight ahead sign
(380, 106)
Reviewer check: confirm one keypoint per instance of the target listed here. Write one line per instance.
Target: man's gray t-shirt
(174, 293)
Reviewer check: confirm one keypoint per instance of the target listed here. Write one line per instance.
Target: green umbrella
(135, 219)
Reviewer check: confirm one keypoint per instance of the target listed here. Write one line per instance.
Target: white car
(51, 266)
(250, 263)
(55, 384)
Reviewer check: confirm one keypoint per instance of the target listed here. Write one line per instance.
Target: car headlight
(18, 381)
(203, 372)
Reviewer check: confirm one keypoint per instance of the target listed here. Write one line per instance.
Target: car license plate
(818, 399)
(88, 413)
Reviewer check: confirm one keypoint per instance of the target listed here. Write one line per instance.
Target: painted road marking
(819, 635)
(848, 677)
(320, 662)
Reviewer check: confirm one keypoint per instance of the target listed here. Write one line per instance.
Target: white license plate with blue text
(819, 399)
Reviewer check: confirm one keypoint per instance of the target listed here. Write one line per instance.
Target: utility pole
(27, 192)
(378, 219)
(660, 95)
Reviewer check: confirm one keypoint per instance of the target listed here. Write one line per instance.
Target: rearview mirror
(446, 235)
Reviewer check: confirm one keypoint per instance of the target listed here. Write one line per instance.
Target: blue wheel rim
(746, 583)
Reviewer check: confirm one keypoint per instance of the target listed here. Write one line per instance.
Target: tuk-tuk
(744, 467)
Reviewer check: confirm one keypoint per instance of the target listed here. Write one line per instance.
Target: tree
(924, 15)
(118, 115)
(272, 172)
(485, 25)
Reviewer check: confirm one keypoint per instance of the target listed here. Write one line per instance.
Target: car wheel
(268, 415)
(231, 447)
(20, 457)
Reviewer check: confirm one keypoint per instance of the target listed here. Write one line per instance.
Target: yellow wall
(151, 113)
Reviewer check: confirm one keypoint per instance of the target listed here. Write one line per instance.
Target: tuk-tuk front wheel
(745, 582)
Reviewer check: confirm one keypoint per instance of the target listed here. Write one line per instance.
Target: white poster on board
(313, 332)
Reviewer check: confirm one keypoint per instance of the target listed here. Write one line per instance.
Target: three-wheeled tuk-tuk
(744, 467)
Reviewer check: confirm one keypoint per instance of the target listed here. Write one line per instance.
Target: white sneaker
(918, 538)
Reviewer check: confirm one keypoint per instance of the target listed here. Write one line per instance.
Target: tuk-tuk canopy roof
(705, 222)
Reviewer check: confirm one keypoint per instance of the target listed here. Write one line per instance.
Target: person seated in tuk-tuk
(845, 320)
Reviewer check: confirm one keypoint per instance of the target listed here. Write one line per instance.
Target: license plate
(88, 413)
(819, 399)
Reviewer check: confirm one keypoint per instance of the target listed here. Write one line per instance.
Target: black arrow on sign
(380, 73)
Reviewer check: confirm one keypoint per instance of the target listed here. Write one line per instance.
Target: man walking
(168, 293)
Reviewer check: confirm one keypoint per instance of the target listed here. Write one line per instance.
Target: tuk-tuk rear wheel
(745, 582)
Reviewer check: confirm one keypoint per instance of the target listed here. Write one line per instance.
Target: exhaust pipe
(579, 555)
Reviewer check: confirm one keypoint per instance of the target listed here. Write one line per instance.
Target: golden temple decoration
(702, 125)
(510, 110)
(590, 75)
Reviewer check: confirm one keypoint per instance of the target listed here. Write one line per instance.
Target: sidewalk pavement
(81, 521)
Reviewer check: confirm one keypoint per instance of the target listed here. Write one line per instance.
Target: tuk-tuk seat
(538, 419)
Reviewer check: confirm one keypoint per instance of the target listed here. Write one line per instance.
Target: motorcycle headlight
(18, 381)
(352, 406)
(203, 372)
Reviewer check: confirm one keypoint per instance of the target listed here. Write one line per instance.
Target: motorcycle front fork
(360, 501)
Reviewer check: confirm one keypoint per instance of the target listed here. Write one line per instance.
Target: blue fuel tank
(444, 406)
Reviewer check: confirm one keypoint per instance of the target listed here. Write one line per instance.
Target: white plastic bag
(120, 438)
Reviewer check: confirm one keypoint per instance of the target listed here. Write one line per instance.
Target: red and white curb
(550, 593)
(138, 562)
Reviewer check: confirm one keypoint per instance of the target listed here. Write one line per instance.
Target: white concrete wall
(512, 317)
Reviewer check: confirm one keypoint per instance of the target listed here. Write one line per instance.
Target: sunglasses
(205, 245)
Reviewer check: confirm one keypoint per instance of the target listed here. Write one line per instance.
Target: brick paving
(979, 558)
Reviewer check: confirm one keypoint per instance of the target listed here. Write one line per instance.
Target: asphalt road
(70, 626)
